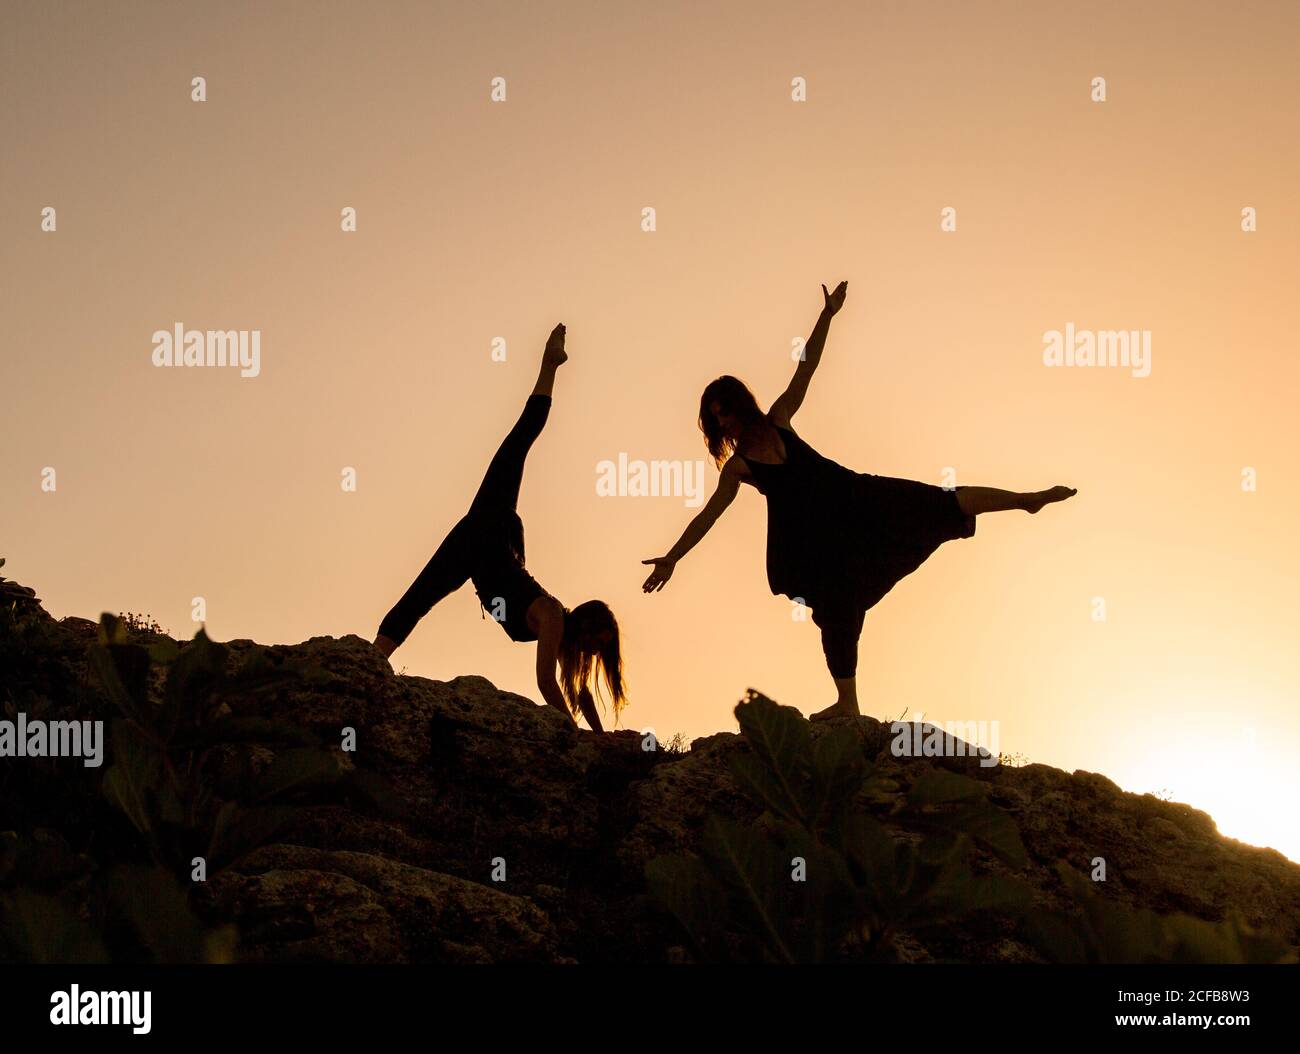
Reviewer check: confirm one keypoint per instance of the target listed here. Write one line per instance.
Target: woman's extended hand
(660, 575)
(835, 300)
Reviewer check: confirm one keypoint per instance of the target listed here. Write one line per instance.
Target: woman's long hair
(735, 399)
(578, 665)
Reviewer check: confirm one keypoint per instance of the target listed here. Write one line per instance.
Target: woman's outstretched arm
(792, 398)
(728, 485)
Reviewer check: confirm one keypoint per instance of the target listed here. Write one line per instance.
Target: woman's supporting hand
(659, 576)
(835, 300)
(588, 707)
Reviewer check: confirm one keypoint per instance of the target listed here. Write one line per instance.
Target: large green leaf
(757, 875)
(871, 849)
(942, 800)
(1058, 939)
(112, 630)
(694, 897)
(36, 928)
(941, 787)
(192, 681)
(823, 901)
(106, 670)
(779, 737)
(132, 779)
(838, 771)
(1114, 933)
(958, 893)
(993, 829)
(756, 779)
(164, 652)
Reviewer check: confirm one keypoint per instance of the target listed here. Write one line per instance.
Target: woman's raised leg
(976, 500)
(500, 487)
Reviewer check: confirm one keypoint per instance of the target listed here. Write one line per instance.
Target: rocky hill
(461, 823)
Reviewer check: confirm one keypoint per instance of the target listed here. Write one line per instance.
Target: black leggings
(490, 520)
(840, 620)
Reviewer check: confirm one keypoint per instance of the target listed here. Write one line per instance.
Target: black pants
(490, 524)
(840, 619)
(937, 518)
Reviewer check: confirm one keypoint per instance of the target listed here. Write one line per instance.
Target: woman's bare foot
(836, 710)
(555, 355)
(1038, 499)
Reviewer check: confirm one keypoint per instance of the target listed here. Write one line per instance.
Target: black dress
(841, 538)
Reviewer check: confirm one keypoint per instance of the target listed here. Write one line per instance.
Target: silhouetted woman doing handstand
(487, 546)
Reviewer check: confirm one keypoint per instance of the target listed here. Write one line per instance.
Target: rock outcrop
(517, 839)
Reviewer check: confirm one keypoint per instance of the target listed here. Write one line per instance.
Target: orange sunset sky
(479, 220)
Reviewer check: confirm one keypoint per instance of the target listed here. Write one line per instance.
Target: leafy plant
(138, 623)
(94, 863)
(1106, 932)
(820, 878)
(55, 907)
(169, 747)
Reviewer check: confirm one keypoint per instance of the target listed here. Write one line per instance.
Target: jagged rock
(494, 774)
(485, 776)
(21, 598)
(293, 903)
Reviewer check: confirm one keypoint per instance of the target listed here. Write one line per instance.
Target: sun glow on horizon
(1243, 784)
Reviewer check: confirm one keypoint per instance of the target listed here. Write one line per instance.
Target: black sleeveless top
(499, 577)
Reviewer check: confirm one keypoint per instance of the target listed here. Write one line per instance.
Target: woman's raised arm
(792, 398)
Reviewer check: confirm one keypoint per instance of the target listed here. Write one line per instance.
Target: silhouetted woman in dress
(837, 540)
(487, 547)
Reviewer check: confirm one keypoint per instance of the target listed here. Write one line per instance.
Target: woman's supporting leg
(976, 500)
(447, 570)
(500, 487)
(840, 621)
